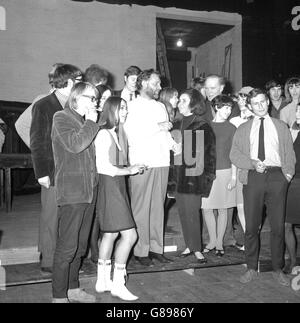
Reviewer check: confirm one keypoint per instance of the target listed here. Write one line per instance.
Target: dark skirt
(293, 202)
(113, 207)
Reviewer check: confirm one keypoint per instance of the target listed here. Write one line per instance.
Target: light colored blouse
(103, 143)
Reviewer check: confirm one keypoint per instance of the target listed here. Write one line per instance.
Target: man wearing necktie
(263, 149)
(129, 92)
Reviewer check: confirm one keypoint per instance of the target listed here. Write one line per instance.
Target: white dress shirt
(148, 144)
(127, 95)
(271, 142)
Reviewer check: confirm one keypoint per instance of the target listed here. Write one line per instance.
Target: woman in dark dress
(196, 171)
(113, 205)
(293, 201)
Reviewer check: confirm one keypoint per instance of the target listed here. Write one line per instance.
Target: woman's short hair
(109, 116)
(77, 90)
(290, 82)
(221, 100)
(197, 104)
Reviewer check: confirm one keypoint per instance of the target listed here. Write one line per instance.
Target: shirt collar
(265, 117)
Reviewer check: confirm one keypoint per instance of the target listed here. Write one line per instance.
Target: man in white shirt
(263, 150)
(147, 127)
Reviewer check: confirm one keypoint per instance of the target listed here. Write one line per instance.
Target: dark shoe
(249, 275)
(144, 261)
(207, 250)
(46, 269)
(281, 278)
(220, 252)
(159, 257)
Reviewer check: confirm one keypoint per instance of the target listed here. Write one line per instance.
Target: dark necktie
(130, 96)
(261, 143)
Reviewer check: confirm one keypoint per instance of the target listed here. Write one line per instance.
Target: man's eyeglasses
(91, 97)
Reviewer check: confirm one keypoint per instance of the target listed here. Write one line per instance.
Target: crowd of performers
(107, 160)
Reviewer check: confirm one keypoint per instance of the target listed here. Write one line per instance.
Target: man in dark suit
(42, 156)
(263, 150)
(129, 92)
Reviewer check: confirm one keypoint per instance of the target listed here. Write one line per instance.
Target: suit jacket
(240, 150)
(74, 156)
(40, 136)
(201, 182)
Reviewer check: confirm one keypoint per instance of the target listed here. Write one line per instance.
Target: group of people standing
(102, 158)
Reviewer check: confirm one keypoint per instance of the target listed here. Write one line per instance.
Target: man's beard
(151, 94)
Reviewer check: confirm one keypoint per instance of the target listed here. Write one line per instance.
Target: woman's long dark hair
(108, 118)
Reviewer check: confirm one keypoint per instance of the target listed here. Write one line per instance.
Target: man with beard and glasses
(147, 127)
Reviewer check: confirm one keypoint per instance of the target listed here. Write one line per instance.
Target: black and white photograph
(149, 154)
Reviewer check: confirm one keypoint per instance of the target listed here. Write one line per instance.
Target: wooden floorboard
(206, 285)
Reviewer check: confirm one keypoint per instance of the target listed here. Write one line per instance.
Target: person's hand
(137, 169)
(165, 126)
(91, 114)
(177, 148)
(44, 181)
(232, 184)
(258, 165)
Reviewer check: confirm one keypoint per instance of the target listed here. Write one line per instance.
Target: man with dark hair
(43, 110)
(23, 123)
(263, 150)
(129, 92)
(96, 75)
(147, 127)
(277, 102)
